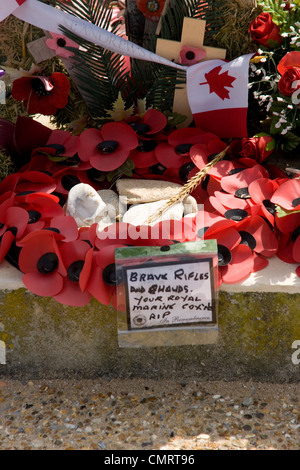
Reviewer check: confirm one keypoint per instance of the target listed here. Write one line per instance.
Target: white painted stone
(114, 208)
(85, 205)
(139, 214)
(140, 191)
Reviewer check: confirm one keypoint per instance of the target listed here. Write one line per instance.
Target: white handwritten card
(170, 294)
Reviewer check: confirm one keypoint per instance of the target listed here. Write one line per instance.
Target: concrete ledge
(258, 322)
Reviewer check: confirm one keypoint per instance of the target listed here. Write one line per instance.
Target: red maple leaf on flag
(218, 82)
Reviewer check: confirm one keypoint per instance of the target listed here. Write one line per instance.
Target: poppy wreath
(240, 199)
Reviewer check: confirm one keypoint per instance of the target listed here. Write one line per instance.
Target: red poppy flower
(42, 95)
(59, 150)
(257, 234)
(73, 255)
(235, 260)
(41, 209)
(59, 43)
(151, 9)
(261, 192)
(103, 280)
(287, 195)
(108, 149)
(191, 55)
(289, 250)
(34, 181)
(144, 155)
(40, 261)
(153, 122)
(13, 221)
(176, 151)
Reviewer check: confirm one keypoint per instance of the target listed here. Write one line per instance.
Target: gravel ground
(141, 414)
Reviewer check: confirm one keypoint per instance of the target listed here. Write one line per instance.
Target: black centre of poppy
(204, 182)
(235, 214)
(181, 149)
(202, 231)
(34, 216)
(24, 193)
(74, 270)
(147, 146)
(140, 128)
(38, 87)
(108, 146)
(110, 276)
(224, 255)
(158, 169)
(13, 230)
(95, 175)
(247, 239)
(242, 193)
(47, 263)
(270, 206)
(68, 181)
(61, 42)
(234, 171)
(52, 229)
(59, 149)
(296, 202)
(185, 170)
(295, 234)
(190, 55)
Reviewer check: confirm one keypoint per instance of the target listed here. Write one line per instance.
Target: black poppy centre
(40, 87)
(110, 276)
(108, 146)
(47, 263)
(224, 255)
(74, 270)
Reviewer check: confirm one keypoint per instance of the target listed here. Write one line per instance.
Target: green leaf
(281, 212)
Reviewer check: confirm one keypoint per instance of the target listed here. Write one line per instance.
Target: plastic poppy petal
(44, 285)
(87, 143)
(288, 195)
(5, 244)
(285, 253)
(98, 288)
(296, 250)
(298, 271)
(266, 242)
(66, 225)
(262, 189)
(71, 294)
(259, 262)
(241, 179)
(120, 132)
(187, 135)
(109, 162)
(17, 217)
(156, 120)
(288, 223)
(167, 156)
(240, 266)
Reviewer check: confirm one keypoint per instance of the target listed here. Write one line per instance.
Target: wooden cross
(193, 32)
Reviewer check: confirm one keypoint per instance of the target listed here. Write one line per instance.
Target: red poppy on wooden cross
(188, 51)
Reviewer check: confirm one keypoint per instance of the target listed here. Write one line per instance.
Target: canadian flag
(8, 6)
(218, 96)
